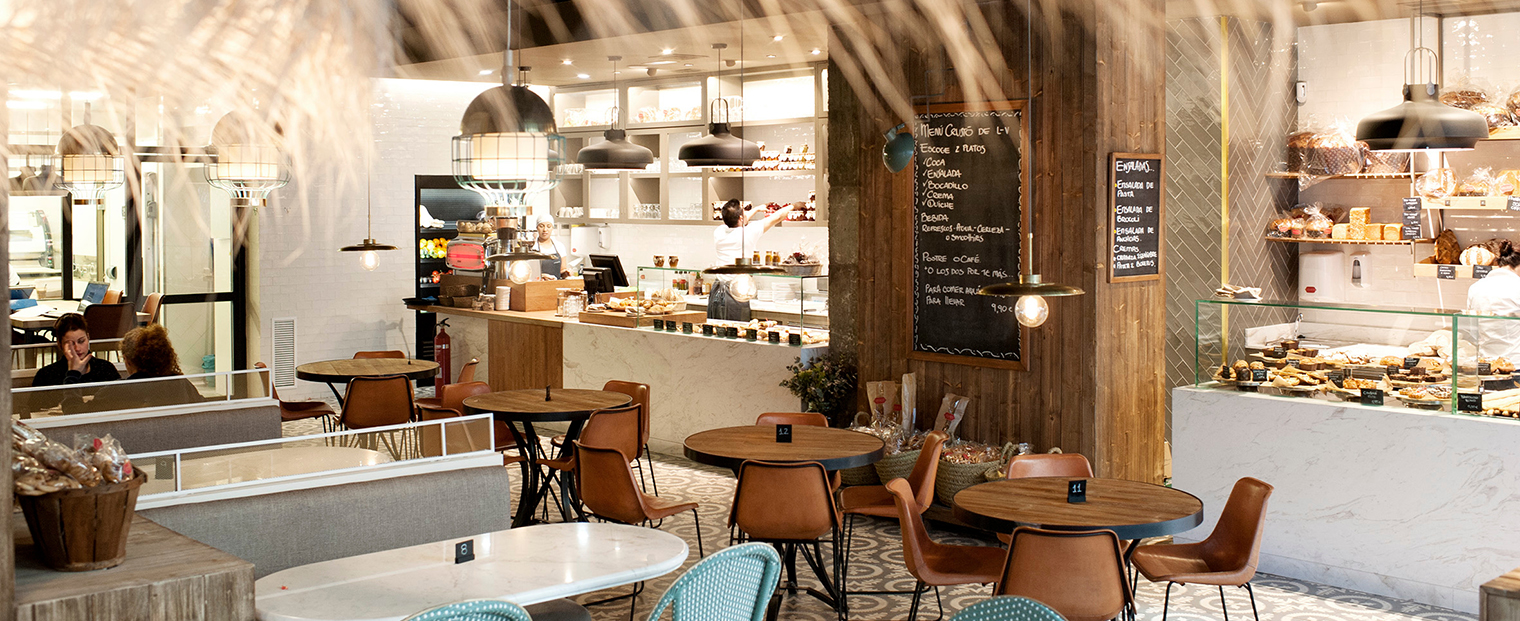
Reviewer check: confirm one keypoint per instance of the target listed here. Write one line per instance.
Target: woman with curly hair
(148, 353)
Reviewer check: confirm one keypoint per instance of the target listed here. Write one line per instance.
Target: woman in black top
(78, 366)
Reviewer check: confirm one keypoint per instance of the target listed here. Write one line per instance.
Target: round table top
(340, 371)
(1133, 510)
(836, 449)
(529, 404)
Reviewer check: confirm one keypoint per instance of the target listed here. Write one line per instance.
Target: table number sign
(784, 433)
(1076, 491)
(464, 551)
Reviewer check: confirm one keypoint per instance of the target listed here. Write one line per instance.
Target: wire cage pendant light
(249, 164)
(1031, 290)
(720, 148)
(90, 163)
(615, 152)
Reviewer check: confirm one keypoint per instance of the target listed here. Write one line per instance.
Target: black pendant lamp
(370, 249)
(1031, 290)
(615, 153)
(1422, 122)
(720, 148)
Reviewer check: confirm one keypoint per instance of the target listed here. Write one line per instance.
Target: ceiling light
(566, 62)
(485, 72)
(91, 164)
(719, 148)
(248, 161)
(583, 76)
(615, 153)
(667, 50)
(770, 55)
(687, 65)
(777, 38)
(816, 51)
(35, 94)
(1422, 122)
(86, 95)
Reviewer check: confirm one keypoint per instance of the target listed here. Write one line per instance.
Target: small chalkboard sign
(1469, 402)
(1479, 271)
(1513, 204)
(794, 339)
(775, 337)
(686, 327)
(784, 433)
(1412, 210)
(1076, 491)
(1336, 375)
(1278, 352)
(1258, 375)
(1447, 272)
(707, 329)
(1136, 206)
(1411, 362)
(1485, 368)
(464, 551)
(1296, 363)
(1372, 396)
(659, 324)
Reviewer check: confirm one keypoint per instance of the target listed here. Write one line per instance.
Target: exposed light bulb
(369, 259)
(743, 288)
(519, 272)
(1031, 311)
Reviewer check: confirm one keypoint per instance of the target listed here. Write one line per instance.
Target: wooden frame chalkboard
(986, 200)
(1136, 246)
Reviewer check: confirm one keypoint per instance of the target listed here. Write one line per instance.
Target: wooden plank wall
(1094, 381)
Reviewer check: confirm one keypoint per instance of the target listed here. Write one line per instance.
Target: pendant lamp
(898, 150)
(369, 249)
(90, 164)
(1422, 122)
(1031, 290)
(615, 153)
(248, 161)
(720, 148)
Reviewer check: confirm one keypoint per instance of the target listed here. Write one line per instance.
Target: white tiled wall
(1352, 70)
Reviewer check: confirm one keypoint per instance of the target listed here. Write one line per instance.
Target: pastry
(1507, 183)
(1465, 98)
(1496, 116)
(1281, 227)
(1477, 255)
(1513, 103)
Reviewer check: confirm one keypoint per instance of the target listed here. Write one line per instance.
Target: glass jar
(571, 303)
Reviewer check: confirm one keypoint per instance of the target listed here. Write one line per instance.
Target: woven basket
(897, 466)
(83, 529)
(862, 475)
(953, 478)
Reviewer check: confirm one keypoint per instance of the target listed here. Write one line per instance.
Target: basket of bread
(78, 502)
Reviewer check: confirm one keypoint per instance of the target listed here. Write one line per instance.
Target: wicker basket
(803, 269)
(83, 529)
(953, 478)
(862, 475)
(897, 466)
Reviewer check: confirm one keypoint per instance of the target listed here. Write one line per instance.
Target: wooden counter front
(526, 347)
(165, 576)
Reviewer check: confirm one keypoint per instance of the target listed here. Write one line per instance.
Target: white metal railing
(233, 466)
(124, 395)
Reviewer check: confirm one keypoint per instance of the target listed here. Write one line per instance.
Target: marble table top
(523, 565)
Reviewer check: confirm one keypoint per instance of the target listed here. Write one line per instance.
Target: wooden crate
(539, 295)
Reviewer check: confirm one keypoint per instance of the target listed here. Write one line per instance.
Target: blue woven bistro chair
(1007, 608)
(474, 610)
(734, 584)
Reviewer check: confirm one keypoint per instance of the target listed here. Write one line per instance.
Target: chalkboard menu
(967, 190)
(1135, 217)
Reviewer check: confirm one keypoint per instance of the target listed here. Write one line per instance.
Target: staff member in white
(560, 265)
(1498, 293)
(732, 239)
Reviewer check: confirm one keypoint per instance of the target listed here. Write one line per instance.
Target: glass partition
(122, 395)
(794, 302)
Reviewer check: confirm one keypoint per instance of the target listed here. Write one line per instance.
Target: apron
(722, 305)
(552, 266)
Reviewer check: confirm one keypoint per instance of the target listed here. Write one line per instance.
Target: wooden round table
(528, 406)
(1131, 509)
(333, 372)
(836, 449)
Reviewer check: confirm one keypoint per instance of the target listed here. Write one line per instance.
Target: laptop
(94, 293)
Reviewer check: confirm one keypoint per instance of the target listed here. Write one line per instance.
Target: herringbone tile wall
(1261, 114)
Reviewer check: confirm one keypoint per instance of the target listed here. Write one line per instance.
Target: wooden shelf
(810, 172)
(1404, 176)
(1504, 133)
(1348, 242)
(1431, 270)
(1480, 203)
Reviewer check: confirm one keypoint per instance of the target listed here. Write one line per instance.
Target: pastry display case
(1424, 358)
(788, 305)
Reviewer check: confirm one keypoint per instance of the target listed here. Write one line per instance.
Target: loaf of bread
(1374, 232)
(1464, 98)
(1340, 231)
(1477, 255)
(1358, 219)
(1393, 232)
(1447, 250)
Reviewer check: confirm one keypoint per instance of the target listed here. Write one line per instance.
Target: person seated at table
(148, 354)
(78, 365)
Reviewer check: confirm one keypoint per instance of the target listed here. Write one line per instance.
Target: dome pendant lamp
(615, 153)
(369, 249)
(1030, 310)
(720, 148)
(1422, 122)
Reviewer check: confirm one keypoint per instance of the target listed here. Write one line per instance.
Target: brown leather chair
(300, 410)
(790, 504)
(937, 564)
(639, 393)
(1078, 573)
(450, 404)
(152, 305)
(112, 296)
(805, 419)
(614, 428)
(607, 489)
(109, 321)
(467, 372)
(379, 354)
(1227, 558)
(1047, 465)
(878, 501)
(376, 402)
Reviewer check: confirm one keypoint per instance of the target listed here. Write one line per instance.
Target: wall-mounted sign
(1136, 217)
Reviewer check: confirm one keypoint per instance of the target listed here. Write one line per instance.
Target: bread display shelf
(1490, 203)
(1294, 175)
(1428, 270)
(1349, 242)
(1504, 133)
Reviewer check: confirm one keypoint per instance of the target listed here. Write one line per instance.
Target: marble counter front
(1417, 505)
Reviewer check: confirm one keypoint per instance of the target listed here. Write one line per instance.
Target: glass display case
(786, 304)
(1430, 359)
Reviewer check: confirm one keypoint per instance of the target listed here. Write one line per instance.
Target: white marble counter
(524, 565)
(1392, 501)
(695, 383)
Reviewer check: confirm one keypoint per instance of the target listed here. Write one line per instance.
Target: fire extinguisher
(441, 355)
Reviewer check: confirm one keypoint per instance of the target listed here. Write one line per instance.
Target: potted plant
(826, 385)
